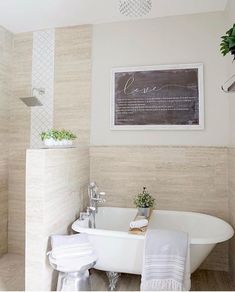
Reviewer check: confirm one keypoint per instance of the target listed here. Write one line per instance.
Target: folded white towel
(71, 250)
(139, 223)
(72, 264)
(67, 240)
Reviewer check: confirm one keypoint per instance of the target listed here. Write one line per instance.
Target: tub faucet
(94, 196)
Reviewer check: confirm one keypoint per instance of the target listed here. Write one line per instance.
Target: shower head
(32, 101)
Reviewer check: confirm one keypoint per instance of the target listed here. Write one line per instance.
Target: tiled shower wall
(71, 48)
(42, 78)
(19, 140)
(5, 95)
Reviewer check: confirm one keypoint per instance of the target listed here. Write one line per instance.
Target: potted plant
(228, 42)
(55, 138)
(144, 202)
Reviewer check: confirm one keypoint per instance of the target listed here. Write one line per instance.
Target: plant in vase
(228, 42)
(54, 138)
(144, 202)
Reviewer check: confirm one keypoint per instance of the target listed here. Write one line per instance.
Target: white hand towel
(139, 223)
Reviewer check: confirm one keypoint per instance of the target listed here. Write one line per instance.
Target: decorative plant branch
(228, 42)
(58, 135)
(144, 199)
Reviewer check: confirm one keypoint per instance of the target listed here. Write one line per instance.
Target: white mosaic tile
(42, 77)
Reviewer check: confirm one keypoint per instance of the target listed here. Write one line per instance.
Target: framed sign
(164, 97)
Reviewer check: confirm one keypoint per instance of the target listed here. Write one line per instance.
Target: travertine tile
(72, 100)
(12, 273)
(5, 96)
(231, 164)
(19, 139)
(56, 191)
(180, 178)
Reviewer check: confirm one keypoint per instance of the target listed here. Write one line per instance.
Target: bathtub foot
(113, 278)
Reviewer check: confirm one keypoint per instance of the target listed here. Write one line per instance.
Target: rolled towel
(139, 223)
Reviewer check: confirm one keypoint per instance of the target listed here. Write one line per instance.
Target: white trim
(198, 66)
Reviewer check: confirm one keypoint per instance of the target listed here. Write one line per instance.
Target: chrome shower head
(32, 101)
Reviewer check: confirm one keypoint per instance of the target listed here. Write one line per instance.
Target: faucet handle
(90, 209)
(102, 194)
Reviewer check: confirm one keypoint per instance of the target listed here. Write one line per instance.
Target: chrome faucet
(95, 198)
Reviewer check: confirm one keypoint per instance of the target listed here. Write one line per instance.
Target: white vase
(58, 143)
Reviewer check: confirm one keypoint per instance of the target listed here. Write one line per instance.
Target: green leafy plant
(58, 135)
(228, 42)
(144, 199)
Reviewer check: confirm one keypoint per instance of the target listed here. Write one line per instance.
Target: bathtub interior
(202, 228)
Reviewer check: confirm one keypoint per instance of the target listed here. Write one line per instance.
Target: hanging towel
(166, 263)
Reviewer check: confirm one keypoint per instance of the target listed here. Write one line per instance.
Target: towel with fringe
(166, 263)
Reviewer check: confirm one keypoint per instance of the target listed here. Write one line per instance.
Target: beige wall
(5, 96)
(19, 140)
(72, 85)
(56, 191)
(73, 80)
(168, 40)
(180, 178)
(230, 18)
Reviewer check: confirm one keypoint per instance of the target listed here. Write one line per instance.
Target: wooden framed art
(163, 97)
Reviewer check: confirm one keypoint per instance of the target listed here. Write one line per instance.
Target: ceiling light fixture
(135, 8)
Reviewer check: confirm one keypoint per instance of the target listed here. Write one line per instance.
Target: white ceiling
(29, 15)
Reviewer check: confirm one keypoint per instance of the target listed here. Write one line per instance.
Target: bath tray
(139, 231)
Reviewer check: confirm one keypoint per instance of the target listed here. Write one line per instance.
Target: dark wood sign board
(160, 97)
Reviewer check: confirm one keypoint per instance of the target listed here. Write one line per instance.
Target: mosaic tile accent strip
(42, 77)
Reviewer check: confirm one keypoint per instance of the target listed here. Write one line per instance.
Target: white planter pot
(57, 143)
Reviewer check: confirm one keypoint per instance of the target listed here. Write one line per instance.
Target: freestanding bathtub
(122, 252)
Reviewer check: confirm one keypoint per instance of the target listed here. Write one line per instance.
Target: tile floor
(12, 278)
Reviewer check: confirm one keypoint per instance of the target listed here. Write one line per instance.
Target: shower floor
(11, 272)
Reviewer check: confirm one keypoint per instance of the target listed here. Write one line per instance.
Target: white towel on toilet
(139, 223)
(166, 264)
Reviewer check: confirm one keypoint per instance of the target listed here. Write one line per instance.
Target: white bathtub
(122, 252)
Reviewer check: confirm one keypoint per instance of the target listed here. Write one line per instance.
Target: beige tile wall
(180, 178)
(71, 109)
(19, 140)
(232, 207)
(56, 190)
(5, 96)
(73, 80)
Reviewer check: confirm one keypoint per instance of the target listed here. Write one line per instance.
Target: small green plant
(58, 135)
(144, 199)
(228, 42)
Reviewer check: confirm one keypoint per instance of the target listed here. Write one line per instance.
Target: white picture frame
(200, 88)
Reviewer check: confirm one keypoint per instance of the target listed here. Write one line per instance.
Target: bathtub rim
(124, 234)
